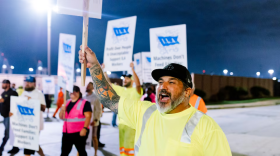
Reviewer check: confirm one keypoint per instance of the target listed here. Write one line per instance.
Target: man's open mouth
(164, 97)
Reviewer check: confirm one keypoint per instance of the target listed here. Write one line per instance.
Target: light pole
(49, 41)
(12, 68)
(47, 5)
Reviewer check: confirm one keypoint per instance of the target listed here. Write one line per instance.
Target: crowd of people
(87, 110)
(152, 121)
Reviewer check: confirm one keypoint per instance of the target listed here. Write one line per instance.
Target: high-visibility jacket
(198, 103)
(74, 121)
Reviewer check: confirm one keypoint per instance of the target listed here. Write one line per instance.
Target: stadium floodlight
(270, 71)
(258, 74)
(225, 71)
(78, 70)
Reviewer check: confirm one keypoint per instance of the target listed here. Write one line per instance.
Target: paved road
(250, 131)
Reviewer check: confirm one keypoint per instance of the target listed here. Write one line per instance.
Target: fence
(211, 84)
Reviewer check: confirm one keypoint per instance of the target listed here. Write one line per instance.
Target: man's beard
(174, 103)
(4, 87)
(88, 90)
(127, 84)
(29, 89)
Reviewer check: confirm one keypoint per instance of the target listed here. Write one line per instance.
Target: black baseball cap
(6, 81)
(127, 75)
(76, 89)
(175, 70)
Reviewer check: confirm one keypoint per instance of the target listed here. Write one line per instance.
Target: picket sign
(85, 8)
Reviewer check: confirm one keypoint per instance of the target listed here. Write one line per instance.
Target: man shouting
(169, 127)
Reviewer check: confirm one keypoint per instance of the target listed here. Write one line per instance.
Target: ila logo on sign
(66, 48)
(137, 61)
(169, 40)
(121, 31)
(25, 110)
(48, 81)
(149, 60)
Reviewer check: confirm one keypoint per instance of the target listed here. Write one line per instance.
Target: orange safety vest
(198, 103)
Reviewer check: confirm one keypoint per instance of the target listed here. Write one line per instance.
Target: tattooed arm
(105, 73)
(104, 91)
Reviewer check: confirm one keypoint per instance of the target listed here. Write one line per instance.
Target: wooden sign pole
(64, 105)
(85, 38)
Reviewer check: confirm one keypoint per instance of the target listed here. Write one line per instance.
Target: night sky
(241, 36)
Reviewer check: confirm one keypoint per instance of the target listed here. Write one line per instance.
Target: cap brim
(28, 81)
(158, 73)
(127, 76)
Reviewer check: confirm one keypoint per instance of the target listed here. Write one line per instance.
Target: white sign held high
(142, 63)
(75, 8)
(86, 9)
(119, 44)
(168, 45)
(138, 66)
(66, 58)
(25, 122)
(146, 67)
(48, 85)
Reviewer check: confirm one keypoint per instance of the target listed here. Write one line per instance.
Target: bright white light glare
(31, 69)
(278, 80)
(225, 71)
(78, 70)
(122, 77)
(12, 67)
(4, 66)
(55, 8)
(258, 73)
(231, 73)
(274, 78)
(41, 5)
(109, 73)
(271, 71)
(40, 68)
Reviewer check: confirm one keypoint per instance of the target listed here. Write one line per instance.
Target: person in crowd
(14, 87)
(31, 92)
(5, 101)
(197, 102)
(149, 95)
(126, 133)
(20, 90)
(48, 103)
(114, 119)
(59, 102)
(76, 115)
(99, 129)
(171, 126)
(97, 112)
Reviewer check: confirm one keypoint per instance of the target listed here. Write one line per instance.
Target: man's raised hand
(89, 57)
(131, 65)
